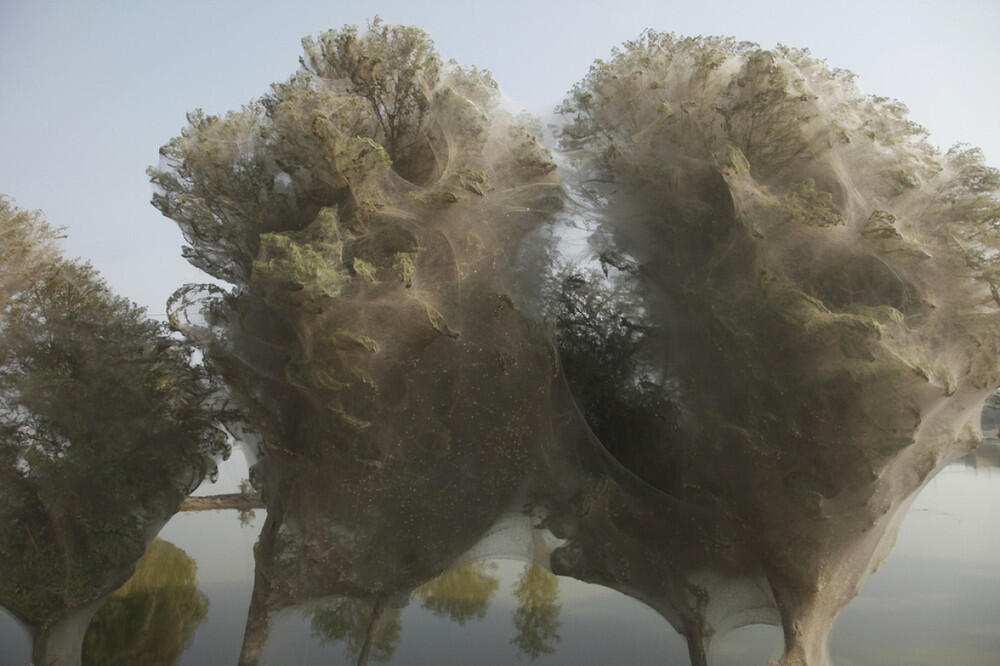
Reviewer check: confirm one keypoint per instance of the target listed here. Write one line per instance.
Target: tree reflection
(461, 594)
(368, 629)
(150, 619)
(537, 616)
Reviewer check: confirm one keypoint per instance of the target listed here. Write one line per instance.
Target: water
(935, 600)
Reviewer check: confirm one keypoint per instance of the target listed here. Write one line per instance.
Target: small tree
(461, 594)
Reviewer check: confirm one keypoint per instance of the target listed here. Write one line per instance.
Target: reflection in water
(986, 456)
(537, 616)
(461, 594)
(369, 629)
(152, 617)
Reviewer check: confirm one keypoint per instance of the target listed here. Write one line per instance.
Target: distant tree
(608, 354)
(104, 428)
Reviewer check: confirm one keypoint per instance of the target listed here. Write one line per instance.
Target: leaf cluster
(393, 68)
(607, 348)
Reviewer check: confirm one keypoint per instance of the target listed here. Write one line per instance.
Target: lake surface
(935, 600)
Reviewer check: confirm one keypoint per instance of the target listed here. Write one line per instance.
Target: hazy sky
(89, 90)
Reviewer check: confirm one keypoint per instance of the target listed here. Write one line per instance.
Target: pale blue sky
(90, 90)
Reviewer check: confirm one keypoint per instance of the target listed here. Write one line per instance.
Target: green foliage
(365, 269)
(297, 264)
(809, 206)
(210, 174)
(880, 225)
(528, 154)
(77, 488)
(393, 68)
(357, 623)
(27, 248)
(605, 354)
(402, 263)
(462, 180)
(311, 258)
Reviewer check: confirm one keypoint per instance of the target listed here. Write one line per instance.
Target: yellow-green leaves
(403, 264)
(393, 68)
(27, 248)
(298, 265)
(807, 205)
(308, 260)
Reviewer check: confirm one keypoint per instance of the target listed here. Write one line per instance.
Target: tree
(105, 426)
(537, 616)
(462, 593)
(824, 280)
(368, 629)
(364, 212)
(27, 248)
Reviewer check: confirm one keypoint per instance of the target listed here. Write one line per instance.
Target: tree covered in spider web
(362, 212)
(825, 281)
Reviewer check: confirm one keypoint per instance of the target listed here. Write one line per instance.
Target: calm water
(935, 600)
